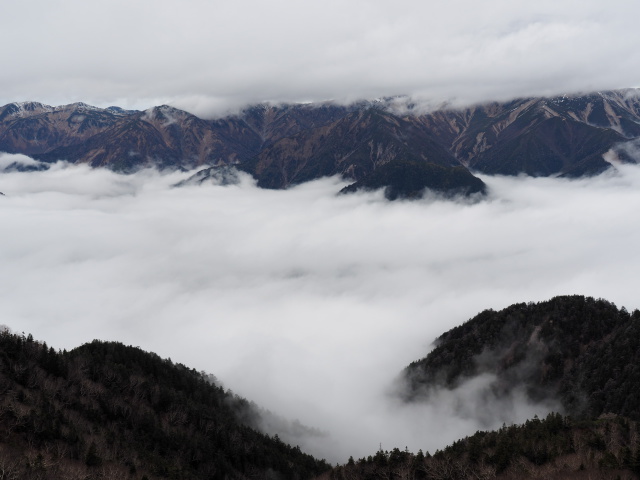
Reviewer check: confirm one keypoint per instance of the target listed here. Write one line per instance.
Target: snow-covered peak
(165, 114)
(79, 106)
(22, 109)
(120, 111)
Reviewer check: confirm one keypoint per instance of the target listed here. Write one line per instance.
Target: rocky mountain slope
(288, 144)
(539, 136)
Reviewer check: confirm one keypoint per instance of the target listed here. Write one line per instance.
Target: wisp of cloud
(307, 302)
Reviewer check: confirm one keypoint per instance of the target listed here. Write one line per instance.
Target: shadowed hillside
(578, 350)
(105, 410)
(553, 448)
(582, 351)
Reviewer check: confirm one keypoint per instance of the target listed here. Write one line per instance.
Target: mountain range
(284, 145)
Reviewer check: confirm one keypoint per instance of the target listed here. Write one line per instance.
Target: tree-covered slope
(553, 448)
(582, 351)
(105, 410)
(408, 180)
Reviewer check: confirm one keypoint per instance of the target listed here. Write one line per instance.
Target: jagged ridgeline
(105, 410)
(371, 143)
(578, 350)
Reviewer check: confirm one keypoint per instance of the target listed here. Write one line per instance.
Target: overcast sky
(308, 303)
(210, 55)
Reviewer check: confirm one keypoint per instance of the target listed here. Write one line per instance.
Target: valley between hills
(106, 410)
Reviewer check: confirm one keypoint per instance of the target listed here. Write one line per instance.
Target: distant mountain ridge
(283, 145)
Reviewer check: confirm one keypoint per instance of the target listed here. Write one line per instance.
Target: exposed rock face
(33, 128)
(353, 146)
(563, 135)
(161, 136)
(289, 144)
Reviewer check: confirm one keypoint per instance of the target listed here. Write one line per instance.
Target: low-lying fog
(308, 303)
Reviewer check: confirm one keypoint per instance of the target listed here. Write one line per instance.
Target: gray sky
(210, 55)
(308, 303)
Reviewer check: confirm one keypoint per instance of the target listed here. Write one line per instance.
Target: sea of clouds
(304, 301)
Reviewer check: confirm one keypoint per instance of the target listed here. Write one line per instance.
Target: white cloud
(306, 302)
(9, 160)
(226, 54)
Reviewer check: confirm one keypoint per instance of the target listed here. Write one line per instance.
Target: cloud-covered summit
(371, 143)
(207, 57)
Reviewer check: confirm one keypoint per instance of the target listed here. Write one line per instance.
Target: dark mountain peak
(354, 145)
(562, 349)
(410, 180)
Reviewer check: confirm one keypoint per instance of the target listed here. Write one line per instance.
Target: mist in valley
(307, 302)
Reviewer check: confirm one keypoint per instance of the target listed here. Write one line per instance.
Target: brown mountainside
(288, 144)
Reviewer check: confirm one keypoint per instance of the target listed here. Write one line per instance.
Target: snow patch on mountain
(22, 109)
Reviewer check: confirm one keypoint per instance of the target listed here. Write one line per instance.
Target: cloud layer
(209, 56)
(305, 302)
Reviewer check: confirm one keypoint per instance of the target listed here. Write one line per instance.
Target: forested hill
(582, 351)
(109, 411)
(105, 410)
(406, 180)
(555, 448)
